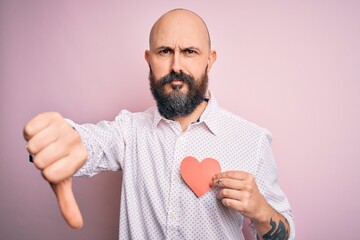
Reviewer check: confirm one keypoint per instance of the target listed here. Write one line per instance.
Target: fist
(56, 146)
(58, 152)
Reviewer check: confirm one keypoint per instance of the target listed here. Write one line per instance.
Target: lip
(177, 82)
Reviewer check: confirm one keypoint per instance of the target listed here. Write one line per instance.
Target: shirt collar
(209, 116)
(157, 117)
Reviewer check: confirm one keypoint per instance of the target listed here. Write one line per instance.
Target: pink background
(290, 66)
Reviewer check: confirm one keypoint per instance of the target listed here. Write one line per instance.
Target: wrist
(264, 215)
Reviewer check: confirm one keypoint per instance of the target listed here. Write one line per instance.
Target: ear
(147, 56)
(211, 59)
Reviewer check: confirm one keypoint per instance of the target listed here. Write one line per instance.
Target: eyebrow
(163, 47)
(182, 49)
(191, 48)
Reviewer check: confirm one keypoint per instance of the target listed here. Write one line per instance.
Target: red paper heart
(198, 175)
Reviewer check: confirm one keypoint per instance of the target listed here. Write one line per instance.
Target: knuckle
(55, 115)
(247, 195)
(232, 174)
(224, 192)
(238, 174)
(56, 120)
(39, 164)
(31, 147)
(248, 188)
(223, 182)
(50, 175)
(28, 131)
(227, 202)
(251, 177)
(47, 175)
(245, 205)
(235, 174)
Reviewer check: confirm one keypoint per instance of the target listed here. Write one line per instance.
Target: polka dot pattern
(155, 202)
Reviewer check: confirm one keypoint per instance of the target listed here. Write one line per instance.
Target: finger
(50, 154)
(38, 123)
(233, 203)
(228, 183)
(240, 175)
(42, 139)
(65, 167)
(67, 203)
(232, 194)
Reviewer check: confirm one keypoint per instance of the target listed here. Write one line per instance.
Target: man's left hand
(239, 191)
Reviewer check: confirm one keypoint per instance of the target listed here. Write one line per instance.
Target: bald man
(150, 148)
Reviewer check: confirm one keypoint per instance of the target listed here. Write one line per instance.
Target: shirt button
(175, 177)
(172, 215)
(180, 139)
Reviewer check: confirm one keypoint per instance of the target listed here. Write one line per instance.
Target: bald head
(180, 43)
(180, 25)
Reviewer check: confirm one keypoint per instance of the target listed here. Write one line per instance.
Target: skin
(178, 42)
(59, 153)
(239, 191)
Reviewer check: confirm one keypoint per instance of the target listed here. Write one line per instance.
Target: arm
(280, 228)
(105, 146)
(60, 152)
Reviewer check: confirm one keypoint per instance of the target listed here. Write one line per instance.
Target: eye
(189, 52)
(165, 51)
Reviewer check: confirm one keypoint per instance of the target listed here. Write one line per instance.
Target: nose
(176, 63)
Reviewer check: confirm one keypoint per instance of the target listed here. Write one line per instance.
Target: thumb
(67, 203)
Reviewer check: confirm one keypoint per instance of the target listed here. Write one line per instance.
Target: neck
(193, 117)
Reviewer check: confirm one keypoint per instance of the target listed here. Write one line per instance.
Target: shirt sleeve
(105, 146)
(267, 181)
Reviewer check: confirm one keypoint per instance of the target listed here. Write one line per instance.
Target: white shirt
(155, 201)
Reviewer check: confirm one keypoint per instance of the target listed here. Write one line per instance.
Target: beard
(177, 103)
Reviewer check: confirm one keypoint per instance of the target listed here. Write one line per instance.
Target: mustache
(176, 76)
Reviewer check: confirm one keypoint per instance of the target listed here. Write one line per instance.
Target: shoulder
(241, 126)
(127, 116)
(134, 119)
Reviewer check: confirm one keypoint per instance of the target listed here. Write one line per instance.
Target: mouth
(177, 82)
(176, 85)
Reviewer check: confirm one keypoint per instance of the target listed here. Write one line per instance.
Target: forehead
(179, 28)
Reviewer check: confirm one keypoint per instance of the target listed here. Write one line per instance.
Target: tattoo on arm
(277, 232)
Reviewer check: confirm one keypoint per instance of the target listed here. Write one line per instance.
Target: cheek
(196, 66)
(197, 70)
(159, 68)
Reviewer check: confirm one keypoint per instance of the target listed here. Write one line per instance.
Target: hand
(58, 153)
(239, 191)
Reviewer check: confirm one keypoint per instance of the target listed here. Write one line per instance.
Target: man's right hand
(58, 153)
